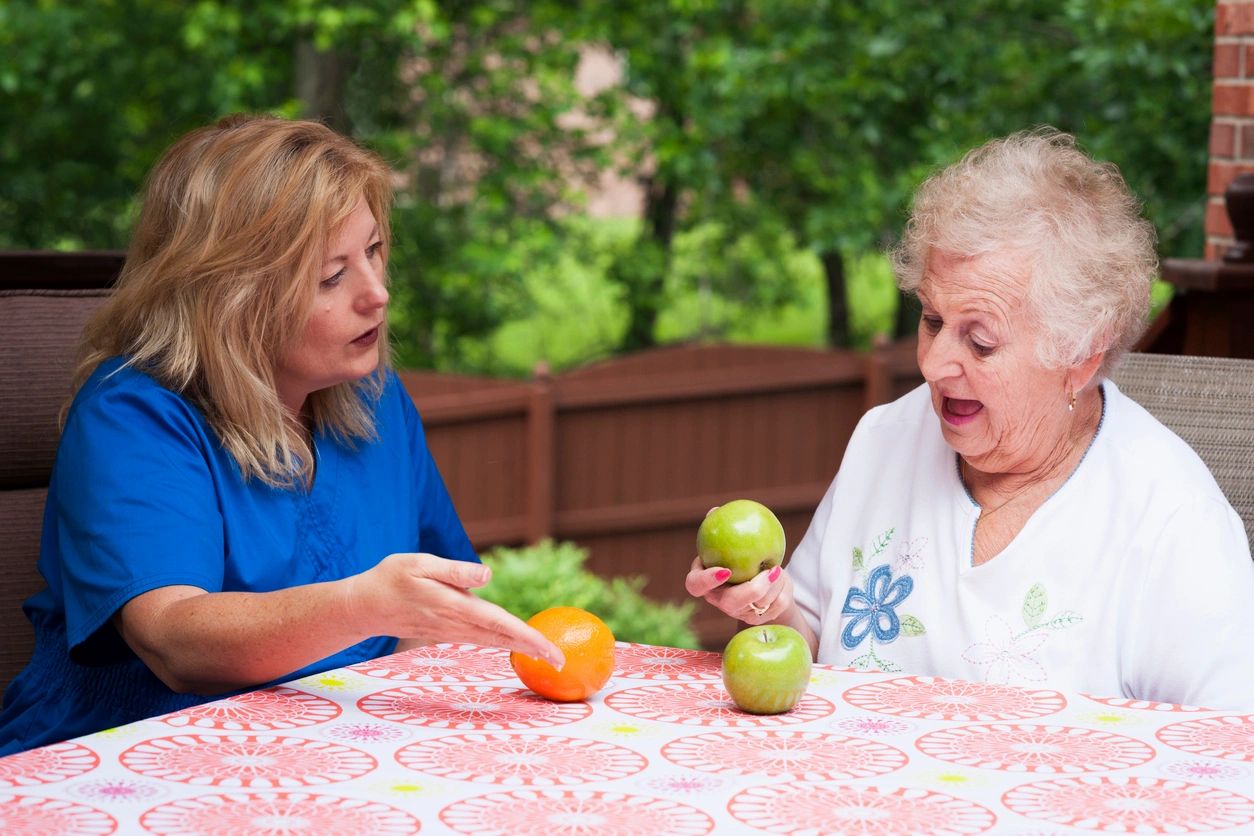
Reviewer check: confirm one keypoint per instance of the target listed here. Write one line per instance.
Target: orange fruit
(589, 648)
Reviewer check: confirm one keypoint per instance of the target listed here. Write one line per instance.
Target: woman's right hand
(426, 599)
(766, 597)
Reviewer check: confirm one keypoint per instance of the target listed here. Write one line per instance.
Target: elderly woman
(1017, 519)
(243, 491)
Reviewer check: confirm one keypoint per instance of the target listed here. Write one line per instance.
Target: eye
(980, 349)
(328, 283)
(374, 249)
(931, 324)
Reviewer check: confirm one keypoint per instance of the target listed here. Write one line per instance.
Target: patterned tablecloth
(446, 740)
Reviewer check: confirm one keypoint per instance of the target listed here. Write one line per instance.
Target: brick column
(1232, 115)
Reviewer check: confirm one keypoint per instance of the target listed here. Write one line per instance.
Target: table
(445, 739)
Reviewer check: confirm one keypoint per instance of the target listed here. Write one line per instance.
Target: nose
(374, 291)
(938, 356)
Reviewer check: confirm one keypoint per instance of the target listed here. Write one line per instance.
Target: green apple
(743, 536)
(766, 668)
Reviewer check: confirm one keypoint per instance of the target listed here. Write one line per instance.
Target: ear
(1080, 376)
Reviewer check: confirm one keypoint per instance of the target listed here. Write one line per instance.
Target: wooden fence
(625, 457)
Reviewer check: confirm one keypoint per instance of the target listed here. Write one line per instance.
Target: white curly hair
(1091, 255)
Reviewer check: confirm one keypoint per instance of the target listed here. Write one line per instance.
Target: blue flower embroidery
(872, 610)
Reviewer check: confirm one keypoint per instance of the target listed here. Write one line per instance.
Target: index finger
(515, 634)
(701, 581)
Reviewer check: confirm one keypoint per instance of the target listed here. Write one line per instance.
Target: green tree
(823, 116)
(771, 124)
(90, 93)
(473, 105)
(465, 99)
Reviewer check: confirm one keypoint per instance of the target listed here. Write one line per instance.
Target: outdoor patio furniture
(1209, 402)
(43, 307)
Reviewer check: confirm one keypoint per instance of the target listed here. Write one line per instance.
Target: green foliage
(575, 313)
(823, 117)
(547, 574)
(463, 99)
(779, 133)
(90, 93)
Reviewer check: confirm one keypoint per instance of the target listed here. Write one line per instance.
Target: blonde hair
(220, 280)
(1090, 255)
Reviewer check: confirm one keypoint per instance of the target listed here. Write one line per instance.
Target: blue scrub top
(143, 496)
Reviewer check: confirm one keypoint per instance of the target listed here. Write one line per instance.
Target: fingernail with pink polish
(774, 576)
(722, 575)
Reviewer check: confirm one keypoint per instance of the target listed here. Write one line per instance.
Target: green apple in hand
(743, 536)
(766, 668)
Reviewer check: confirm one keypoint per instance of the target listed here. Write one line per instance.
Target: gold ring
(758, 611)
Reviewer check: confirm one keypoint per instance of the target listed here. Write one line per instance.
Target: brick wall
(1232, 115)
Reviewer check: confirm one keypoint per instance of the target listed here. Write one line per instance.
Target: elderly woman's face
(998, 407)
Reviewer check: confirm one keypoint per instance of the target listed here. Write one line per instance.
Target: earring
(1071, 402)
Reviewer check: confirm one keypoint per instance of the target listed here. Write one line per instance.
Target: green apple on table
(766, 669)
(743, 536)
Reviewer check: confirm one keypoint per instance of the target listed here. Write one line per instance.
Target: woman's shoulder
(1148, 452)
(115, 382)
(124, 428)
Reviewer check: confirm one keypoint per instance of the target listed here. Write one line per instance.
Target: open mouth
(367, 338)
(959, 411)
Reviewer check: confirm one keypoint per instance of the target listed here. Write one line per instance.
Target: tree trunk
(321, 77)
(646, 277)
(906, 322)
(837, 298)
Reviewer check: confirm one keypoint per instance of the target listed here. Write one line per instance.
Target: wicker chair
(1209, 402)
(45, 298)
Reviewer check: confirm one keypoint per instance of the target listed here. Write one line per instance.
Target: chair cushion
(40, 329)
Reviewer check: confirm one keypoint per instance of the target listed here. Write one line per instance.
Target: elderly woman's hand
(767, 597)
(425, 599)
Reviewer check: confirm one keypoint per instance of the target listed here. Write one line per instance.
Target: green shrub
(547, 574)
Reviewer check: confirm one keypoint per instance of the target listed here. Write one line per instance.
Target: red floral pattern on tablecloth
(1204, 770)
(29, 815)
(667, 664)
(470, 708)
(1230, 737)
(277, 814)
(366, 732)
(929, 698)
(530, 760)
(246, 761)
(440, 663)
(115, 790)
(1143, 705)
(800, 755)
(47, 765)
(1122, 803)
(706, 704)
(269, 709)
(859, 726)
(573, 813)
(1035, 748)
(828, 808)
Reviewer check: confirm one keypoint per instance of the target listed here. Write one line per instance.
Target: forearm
(209, 643)
(793, 618)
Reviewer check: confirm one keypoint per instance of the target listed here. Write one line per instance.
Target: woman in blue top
(243, 493)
